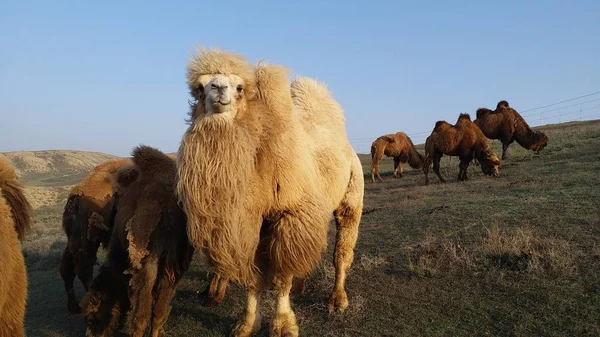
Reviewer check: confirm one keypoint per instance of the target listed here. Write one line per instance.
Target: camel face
(541, 145)
(491, 165)
(222, 94)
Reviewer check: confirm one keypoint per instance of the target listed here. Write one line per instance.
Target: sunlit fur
(507, 125)
(84, 223)
(260, 183)
(150, 227)
(465, 140)
(15, 222)
(399, 146)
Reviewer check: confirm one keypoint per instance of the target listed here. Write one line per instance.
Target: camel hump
(481, 112)
(464, 116)
(440, 125)
(316, 103)
(388, 138)
(502, 105)
(12, 192)
(149, 158)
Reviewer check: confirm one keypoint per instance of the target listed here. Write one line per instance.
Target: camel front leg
(249, 323)
(162, 307)
(284, 324)
(216, 290)
(141, 297)
(504, 150)
(397, 164)
(426, 166)
(462, 170)
(223, 282)
(436, 166)
(86, 276)
(67, 272)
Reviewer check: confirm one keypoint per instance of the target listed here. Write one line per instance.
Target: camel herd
(466, 139)
(263, 168)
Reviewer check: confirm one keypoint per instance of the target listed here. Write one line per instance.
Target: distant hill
(48, 175)
(55, 161)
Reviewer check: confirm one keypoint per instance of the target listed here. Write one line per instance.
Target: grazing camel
(149, 250)
(84, 223)
(507, 125)
(401, 148)
(262, 169)
(465, 140)
(15, 222)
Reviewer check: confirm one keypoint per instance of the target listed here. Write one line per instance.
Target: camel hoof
(284, 325)
(338, 301)
(244, 329)
(209, 298)
(160, 333)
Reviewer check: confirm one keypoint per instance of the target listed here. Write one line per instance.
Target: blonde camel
(263, 168)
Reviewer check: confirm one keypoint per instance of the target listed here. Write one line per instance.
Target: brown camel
(149, 249)
(401, 148)
(84, 223)
(465, 140)
(507, 125)
(15, 222)
(262, 169)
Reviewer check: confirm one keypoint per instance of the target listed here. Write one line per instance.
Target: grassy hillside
(512, 256)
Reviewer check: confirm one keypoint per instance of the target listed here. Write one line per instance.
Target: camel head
(103, 304)
(541, 142)
(221, 83)
(490, 163)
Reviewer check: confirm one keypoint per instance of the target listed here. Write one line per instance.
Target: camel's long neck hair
(215, 163)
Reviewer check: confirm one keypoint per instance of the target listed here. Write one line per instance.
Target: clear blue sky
(109, 75)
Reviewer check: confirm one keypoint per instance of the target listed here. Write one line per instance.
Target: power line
(567, 100)
(562, 107)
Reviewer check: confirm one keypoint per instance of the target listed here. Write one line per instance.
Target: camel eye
(240, 88)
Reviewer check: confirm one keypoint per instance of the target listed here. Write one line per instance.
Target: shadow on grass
(47, 315)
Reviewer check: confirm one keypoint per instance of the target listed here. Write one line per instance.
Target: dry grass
(517, 250)
(513, 256)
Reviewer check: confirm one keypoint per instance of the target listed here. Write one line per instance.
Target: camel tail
(12, 192)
